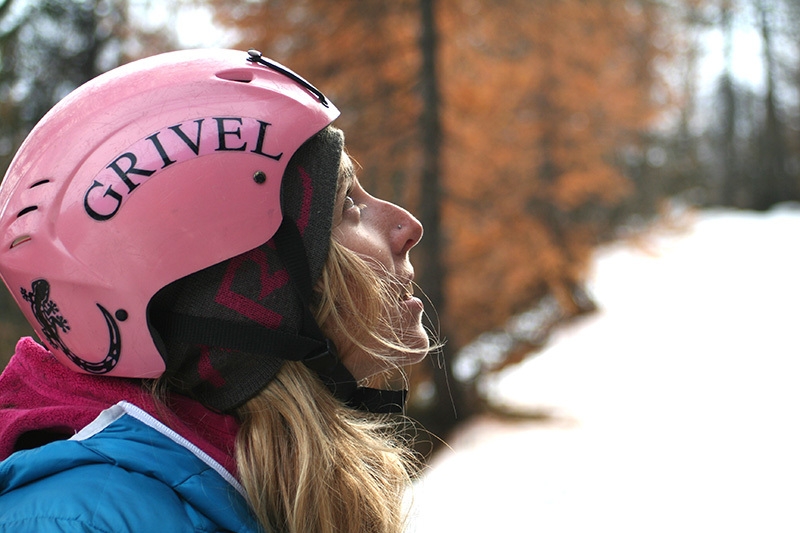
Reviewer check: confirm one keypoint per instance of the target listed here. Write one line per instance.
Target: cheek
(367, 245)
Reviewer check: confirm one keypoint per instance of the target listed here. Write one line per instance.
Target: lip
(408, 279)
(405, 286)
(413, 304)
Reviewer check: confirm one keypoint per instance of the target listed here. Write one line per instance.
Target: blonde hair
(308, 462)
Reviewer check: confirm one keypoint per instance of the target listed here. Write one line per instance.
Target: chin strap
(328, 366)
(325, 361)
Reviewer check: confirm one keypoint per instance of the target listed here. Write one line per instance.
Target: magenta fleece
(38, 393)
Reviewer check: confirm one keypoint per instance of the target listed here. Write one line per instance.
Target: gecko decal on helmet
(53, 324)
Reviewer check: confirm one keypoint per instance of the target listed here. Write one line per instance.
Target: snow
(675, 407)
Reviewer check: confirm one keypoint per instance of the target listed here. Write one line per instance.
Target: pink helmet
(151, 172)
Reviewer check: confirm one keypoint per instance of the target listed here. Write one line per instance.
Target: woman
(212, 287)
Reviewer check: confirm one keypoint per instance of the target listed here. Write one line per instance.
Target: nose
(407, 231)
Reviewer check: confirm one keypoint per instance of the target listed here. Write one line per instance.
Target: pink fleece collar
(37, 392)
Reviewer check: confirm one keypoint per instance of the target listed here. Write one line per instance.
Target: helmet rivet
(260, 177)
(121, 314)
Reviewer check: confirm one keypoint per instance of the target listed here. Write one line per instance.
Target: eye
(348, 203)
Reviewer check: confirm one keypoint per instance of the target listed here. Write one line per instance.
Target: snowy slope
(676, 407)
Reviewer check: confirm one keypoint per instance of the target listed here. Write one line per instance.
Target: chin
(420, 343)
(364, 366)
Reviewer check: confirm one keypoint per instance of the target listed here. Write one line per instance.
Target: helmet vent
(20, 240)
(27, 210)
(240, 75)
(40, 182)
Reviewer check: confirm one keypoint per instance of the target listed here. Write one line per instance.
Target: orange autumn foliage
(537, 100)
(539, 97)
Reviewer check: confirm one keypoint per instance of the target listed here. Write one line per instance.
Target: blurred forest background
(523, 133)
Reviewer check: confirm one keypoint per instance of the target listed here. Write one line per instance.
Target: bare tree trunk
(730, 186)
(773, 184)
(450, 401)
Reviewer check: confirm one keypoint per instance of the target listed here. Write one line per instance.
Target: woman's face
(382, 233)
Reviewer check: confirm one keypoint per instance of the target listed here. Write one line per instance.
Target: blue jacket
(126, 471)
